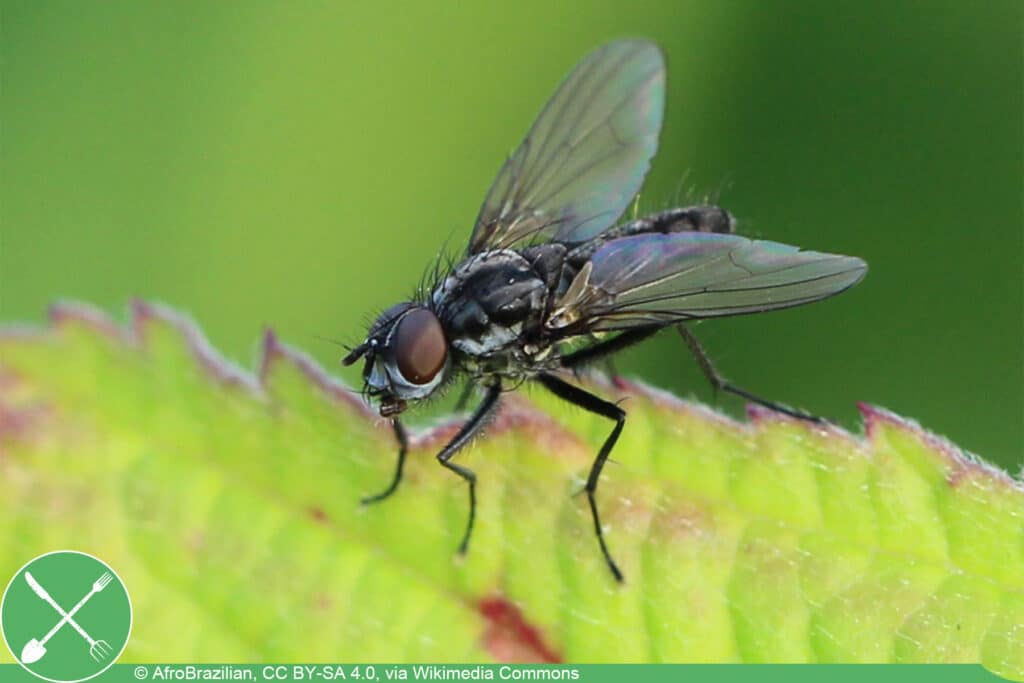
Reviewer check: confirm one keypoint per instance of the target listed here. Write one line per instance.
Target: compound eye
(420, 346)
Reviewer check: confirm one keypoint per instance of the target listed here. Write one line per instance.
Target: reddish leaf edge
(508, 636)
(517, 413)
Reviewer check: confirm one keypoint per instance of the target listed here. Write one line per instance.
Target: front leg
(403, 447)
(588, 401)
(468, 431)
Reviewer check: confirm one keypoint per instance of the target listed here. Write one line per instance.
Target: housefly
(551, 279)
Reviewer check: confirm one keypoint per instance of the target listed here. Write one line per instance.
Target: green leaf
(228, 502)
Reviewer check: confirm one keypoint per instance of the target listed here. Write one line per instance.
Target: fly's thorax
(491, 303)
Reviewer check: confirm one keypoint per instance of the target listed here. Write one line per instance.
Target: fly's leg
(720, 383)
(607, 347)
(604, 349)
(613, 374)
(467, 391)
(469, 429)
(403, 447)
(588, 401)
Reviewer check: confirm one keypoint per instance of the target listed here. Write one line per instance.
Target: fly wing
(661, 279)
(586, 155)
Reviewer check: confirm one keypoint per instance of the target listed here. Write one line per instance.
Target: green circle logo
(66, 616)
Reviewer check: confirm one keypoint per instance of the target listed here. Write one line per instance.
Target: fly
(552, 281)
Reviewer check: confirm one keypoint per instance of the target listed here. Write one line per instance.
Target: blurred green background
(298, 165)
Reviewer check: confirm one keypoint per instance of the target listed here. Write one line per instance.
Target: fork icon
(36, 648)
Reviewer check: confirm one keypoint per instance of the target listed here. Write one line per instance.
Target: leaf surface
(228, 502)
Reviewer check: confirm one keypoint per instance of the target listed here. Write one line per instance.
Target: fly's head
(406, 357)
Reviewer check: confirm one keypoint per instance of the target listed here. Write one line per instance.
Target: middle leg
(588, 401)
(605, 348)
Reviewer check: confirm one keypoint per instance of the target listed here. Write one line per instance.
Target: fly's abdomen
(712, 219)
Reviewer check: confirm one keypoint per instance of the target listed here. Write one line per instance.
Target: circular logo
(66, 616)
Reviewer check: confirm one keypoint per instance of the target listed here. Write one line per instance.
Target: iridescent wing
(660, 279)
(586, 155)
